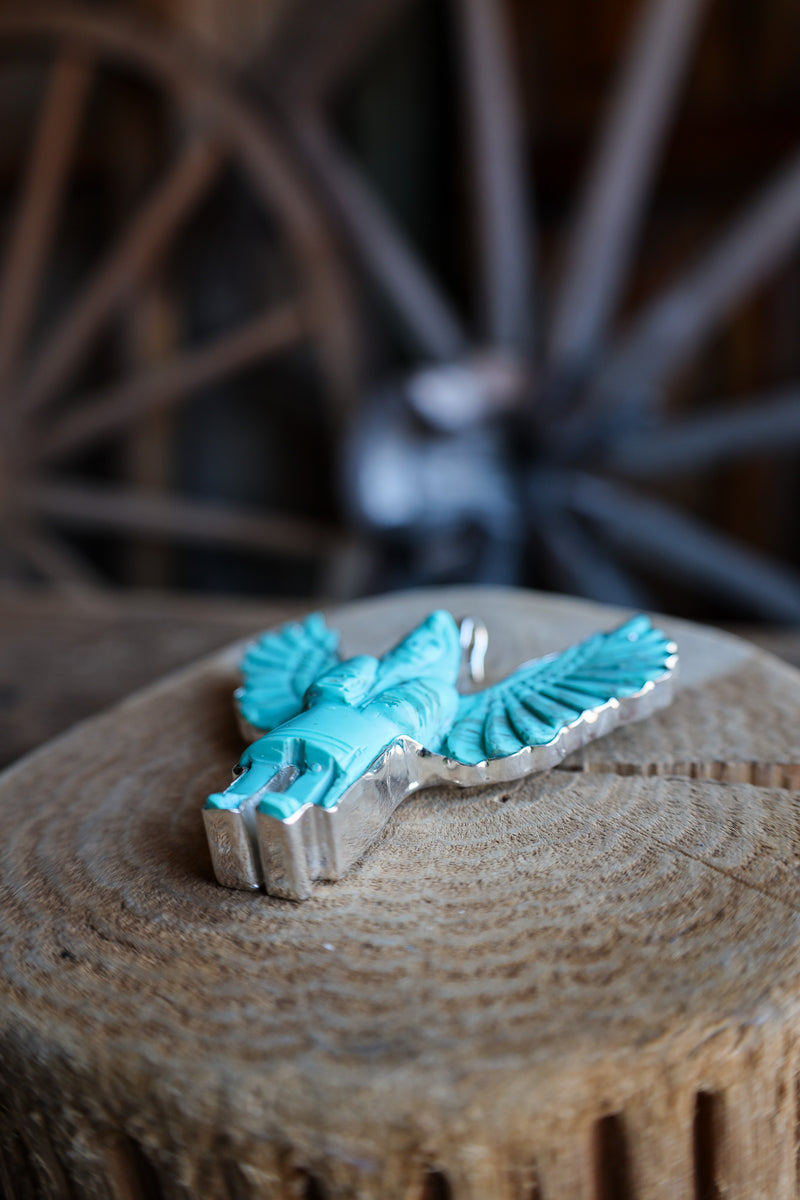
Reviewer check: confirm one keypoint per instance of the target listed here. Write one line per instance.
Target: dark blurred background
(336, 296)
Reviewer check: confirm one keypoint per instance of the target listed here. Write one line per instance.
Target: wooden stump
(581, 985)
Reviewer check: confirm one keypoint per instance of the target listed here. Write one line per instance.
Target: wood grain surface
(581, 985)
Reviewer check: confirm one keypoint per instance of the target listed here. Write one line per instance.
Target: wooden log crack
(759, 774)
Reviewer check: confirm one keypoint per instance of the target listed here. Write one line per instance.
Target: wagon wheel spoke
(39, 205)
(431, 325)
(768, 422)
(126, 510)
(662, 538)
(494, 141)
(585, 567)
(325, 43)
(130, 258)
(98, 415)
(670, 329)
(49, 556)
(620, 179)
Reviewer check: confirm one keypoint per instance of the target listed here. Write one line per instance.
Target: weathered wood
(138, 510)
(157, 388)
(580, 983)
(41, 359)
(39, 204)
(177, 194)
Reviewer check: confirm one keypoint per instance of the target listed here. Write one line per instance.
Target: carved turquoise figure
(338, 744)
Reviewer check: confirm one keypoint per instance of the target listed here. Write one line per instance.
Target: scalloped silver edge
(253, 851)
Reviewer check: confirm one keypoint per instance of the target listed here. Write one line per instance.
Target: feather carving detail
(531, 706)
(280, 667)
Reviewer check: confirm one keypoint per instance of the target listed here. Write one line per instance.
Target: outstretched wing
(531, 706)
(278, 670)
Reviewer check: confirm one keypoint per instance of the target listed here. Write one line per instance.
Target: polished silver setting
(251, 850)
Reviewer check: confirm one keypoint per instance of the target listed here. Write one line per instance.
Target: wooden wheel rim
(126, 39)
(319, 312)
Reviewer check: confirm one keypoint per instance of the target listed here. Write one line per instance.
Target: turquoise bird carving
(336, 745)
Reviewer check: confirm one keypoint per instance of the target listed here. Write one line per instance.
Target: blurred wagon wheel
(538, 426)
(53, 413)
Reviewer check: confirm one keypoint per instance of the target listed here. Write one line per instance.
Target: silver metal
(474, 638)
(252, 850)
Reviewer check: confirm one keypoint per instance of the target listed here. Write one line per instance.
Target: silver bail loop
(474, 638)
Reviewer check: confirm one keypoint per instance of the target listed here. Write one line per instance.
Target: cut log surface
(584, 984)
